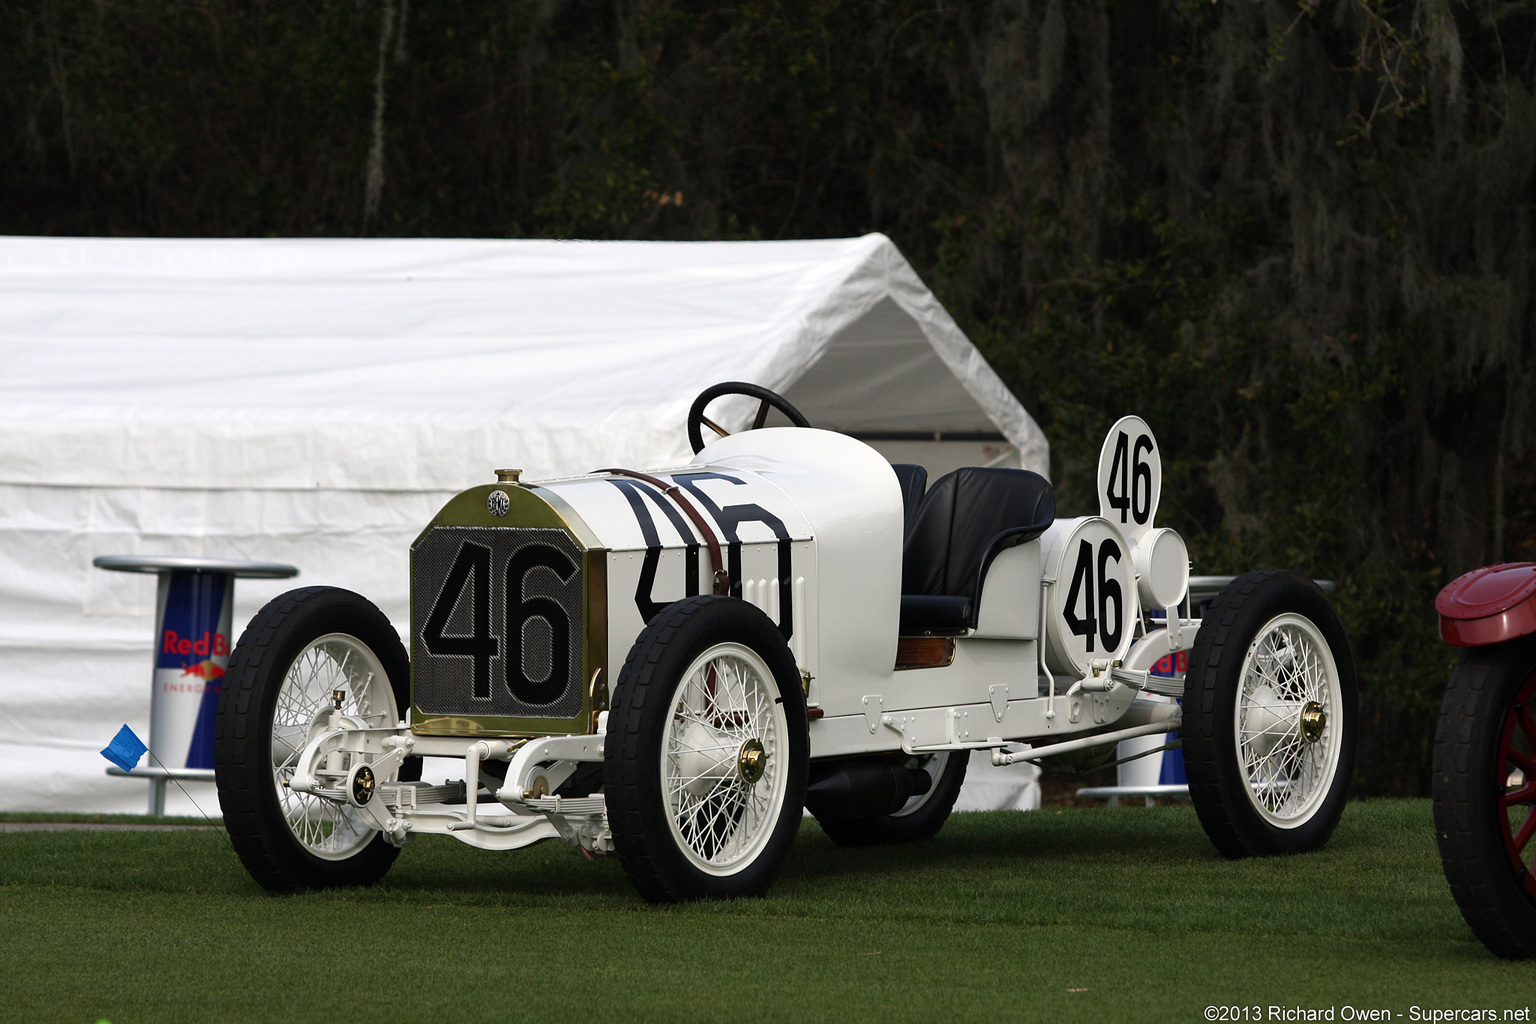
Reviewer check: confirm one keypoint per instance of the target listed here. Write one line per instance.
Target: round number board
(1130, 476)
(1091, 604)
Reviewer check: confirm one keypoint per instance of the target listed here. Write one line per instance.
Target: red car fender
(1489, 605)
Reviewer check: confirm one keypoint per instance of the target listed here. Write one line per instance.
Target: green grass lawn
(1093, 914)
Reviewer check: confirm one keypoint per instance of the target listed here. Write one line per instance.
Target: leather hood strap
(722, 578)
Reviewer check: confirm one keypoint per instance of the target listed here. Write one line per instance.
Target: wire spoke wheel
(301, 654)
(1485, 794)
(1287, 748)
(720, 772)
(332, 663)
(1269, 716)
(705, 755)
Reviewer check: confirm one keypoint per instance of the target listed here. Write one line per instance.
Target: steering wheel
(770, 400)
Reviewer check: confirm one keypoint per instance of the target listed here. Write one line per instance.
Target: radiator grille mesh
(536, 668)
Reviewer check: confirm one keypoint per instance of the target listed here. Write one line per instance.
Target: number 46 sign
(1099, 566)
(1130, 477)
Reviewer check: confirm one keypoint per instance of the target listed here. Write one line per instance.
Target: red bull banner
(192, 645)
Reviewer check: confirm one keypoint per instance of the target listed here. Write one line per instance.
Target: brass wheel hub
(362, 786)
(751, 761)
(1313, 720)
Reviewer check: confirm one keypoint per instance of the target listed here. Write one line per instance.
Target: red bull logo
(208, 670)
(1172, 664)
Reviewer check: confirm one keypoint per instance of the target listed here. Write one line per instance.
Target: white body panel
(849, 495)
(649, 538)
(834, 505)
(1010, 594)
(828, 501)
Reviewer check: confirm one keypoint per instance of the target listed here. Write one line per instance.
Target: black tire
(272, 828)
(1489, 713)
(712, 841)
(1282, 789)
(920, 818)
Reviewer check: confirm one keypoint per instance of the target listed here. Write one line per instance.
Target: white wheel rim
(720, 821)
(327, 829)
(1289, 667)
(934, 764)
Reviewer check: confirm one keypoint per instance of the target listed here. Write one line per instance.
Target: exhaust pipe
(862, 787)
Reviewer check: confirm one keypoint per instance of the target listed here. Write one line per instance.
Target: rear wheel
(1269, 717)
(706, 753)
(1485, 794)
(297, 653)
(921, 817)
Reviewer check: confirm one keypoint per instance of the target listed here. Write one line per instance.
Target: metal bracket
(541, 751)
(307, 768)
(924, 730)
(999, 697)
(874, 710)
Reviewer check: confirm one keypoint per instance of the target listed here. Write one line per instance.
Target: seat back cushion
(914, 481)
(967, 517)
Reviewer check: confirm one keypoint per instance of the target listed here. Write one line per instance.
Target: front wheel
(1269, 716)
(1485, 794)
(705, 756)
(298, 653)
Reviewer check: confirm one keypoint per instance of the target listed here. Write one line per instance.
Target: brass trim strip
(595, 638)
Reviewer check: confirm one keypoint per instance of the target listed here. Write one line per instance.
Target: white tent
(315, 401)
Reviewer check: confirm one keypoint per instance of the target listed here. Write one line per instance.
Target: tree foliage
(1296, 237)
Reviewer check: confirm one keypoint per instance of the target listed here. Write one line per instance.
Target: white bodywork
(812, 524)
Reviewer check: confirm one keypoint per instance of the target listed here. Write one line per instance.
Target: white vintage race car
(669, 666)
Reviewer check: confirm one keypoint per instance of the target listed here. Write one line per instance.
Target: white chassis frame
(1096, 711)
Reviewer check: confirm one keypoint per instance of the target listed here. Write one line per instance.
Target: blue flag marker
(125, 749)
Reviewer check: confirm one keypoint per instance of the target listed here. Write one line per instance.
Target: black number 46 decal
(1096, 622)
(471, 570)
(1130, 479)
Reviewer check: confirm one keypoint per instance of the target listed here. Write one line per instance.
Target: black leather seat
(913, 480)
(964, 520)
